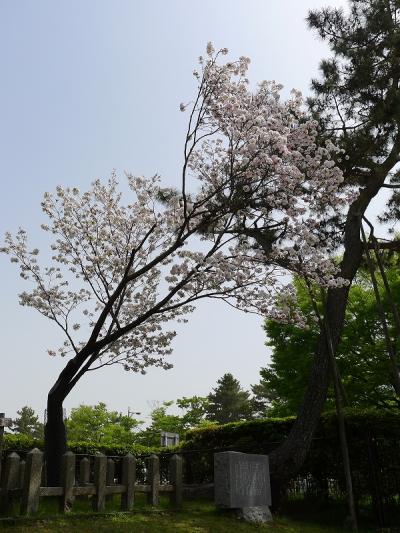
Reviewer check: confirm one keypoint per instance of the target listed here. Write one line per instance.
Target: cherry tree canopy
(121, 272)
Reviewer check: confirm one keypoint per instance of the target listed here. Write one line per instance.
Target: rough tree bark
(287, 459)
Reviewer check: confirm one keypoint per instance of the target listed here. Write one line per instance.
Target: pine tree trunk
(287, 459)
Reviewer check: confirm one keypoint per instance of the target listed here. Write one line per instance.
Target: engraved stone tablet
(241, 480)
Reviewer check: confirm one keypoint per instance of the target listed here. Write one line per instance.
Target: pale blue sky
(92, 85)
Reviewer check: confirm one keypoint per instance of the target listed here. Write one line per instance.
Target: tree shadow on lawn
(197, 516)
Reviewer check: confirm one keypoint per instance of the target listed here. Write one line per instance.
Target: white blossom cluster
(263, 156)
(255, 187)
(101, 245)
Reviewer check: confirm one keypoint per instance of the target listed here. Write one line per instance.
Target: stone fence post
(32, 479)
(100, 473)
(176, 469)
(128, 480)
(10, 481)
(84, 471)
(153, 479)
(67, 481)
(21, 474)
(110, 476)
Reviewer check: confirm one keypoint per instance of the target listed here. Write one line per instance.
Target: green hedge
(373, 437)
(255, 433)
(22, 444)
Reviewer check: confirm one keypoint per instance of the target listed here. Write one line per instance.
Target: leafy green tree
(194, 411)
(27, 423)
(97, 424)
(160, 421)
(362, 355)
(228, 402)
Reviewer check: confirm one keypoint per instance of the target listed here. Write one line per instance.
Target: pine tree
(27, 423)
(357, 103)
(228, 402)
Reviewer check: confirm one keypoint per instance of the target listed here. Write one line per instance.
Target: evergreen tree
(357, 103)
(27, 423)
(228, 402)
(357, 98)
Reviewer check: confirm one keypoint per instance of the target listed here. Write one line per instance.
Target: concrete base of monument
(255, 515)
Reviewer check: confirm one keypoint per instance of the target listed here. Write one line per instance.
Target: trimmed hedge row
(22, 444)
(373, 437)
(259, 432)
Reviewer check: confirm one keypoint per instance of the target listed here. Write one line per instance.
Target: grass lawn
(195, 517)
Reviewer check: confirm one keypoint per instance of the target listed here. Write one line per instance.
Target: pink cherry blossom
(257, 184)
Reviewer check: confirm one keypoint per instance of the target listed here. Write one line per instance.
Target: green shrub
(91, 448)
(23, 443)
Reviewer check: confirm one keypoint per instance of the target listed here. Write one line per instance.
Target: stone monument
(241, 482)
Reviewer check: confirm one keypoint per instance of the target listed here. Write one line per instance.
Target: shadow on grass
(333, 513)
(199, 516)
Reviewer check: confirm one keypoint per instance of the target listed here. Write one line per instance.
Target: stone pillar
(84, 471)
(67, 481)
(153, 477)
(110, 475)
(128, 480)
(100, 472)
(10, 481)
(21, 474)
(176, 470)
(32, 480)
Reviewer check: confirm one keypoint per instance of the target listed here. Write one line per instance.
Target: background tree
(97, 424)
(27, 423)
(195, 409)
(362, 354)
(160, 421)
(193, 414)
(228, 402)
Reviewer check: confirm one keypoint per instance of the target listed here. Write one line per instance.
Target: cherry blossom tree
(256, 187)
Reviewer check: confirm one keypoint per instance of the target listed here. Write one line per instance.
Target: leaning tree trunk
(287, 459)
(55, 439)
